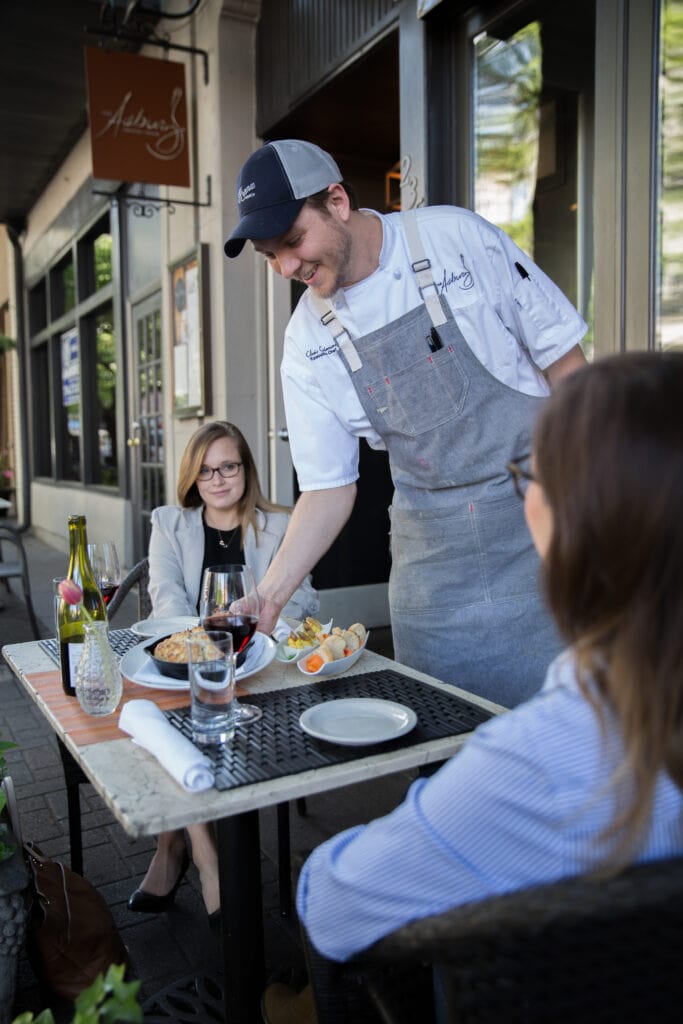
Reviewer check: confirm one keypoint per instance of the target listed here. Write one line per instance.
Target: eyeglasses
(521, 478)
(226, 470)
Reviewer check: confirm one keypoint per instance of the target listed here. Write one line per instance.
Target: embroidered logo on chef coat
(320, 351)
(463, 278)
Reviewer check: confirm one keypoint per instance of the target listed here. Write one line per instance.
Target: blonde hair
(193, 459)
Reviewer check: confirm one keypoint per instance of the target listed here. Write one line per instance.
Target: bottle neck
(77, 543)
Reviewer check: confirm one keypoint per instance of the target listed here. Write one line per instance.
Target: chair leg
(301, 806)
(32, 616)
(284, 866)
(73, 776)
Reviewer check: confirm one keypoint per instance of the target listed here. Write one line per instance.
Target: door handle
(133, 442)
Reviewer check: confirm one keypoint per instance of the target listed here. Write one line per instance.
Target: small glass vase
(98, 679)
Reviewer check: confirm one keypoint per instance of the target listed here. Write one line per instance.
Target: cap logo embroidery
(244, 192)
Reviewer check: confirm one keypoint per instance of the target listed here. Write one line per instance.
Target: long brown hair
(193, 458)
(609, 455)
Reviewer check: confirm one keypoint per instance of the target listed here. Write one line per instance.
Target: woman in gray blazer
(222, 518)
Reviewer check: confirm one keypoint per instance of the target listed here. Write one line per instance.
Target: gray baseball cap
(274, 184)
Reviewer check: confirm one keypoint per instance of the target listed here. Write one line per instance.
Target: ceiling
(43, 95)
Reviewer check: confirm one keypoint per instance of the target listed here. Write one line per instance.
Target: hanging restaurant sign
(138, 118)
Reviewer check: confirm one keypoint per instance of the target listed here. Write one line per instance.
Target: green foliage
(108, 1000)
(6, 343)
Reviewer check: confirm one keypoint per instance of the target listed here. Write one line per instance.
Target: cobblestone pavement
(166, 947)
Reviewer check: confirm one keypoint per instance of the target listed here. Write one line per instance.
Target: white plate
(164, 627)
(333, 668)
(259, 655)
(291, 655)
(357, 721)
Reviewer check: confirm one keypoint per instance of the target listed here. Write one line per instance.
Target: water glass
(57, 597)
(211, 671)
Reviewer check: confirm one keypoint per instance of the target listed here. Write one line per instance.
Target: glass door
(532, 159)
(146, 434)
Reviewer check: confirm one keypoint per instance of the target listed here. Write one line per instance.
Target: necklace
(226, 543)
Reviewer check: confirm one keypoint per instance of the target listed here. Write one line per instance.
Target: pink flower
(7, 473)
(70, 592)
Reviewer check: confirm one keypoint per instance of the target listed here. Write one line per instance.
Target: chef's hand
(269, 614)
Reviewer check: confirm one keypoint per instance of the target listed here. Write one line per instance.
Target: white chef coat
(478, 268)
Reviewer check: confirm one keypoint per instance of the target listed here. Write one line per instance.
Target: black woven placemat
(276, 745)
(121, 640)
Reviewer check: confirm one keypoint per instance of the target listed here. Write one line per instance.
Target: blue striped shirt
(522, 803)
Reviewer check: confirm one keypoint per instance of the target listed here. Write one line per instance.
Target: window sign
(190, 334)
(71, 377)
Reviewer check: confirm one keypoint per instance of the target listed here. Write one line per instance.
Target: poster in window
(189, 302)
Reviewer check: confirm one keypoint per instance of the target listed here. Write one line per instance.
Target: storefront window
(70, 406)
(508, 129)
(105, 405)
(532, 117)
(40, 391)
(74, 367)
(62, 288)
(669, 322)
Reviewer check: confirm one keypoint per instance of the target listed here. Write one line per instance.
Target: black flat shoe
(141, 902)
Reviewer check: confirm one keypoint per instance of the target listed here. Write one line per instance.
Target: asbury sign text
(138, 118)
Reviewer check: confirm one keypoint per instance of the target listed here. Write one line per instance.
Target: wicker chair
(579, 951)
(137, 577)
(17, 568)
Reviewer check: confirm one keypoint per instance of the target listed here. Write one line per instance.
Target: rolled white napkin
(150, 729)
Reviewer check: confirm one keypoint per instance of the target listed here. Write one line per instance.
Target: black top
(215, 554)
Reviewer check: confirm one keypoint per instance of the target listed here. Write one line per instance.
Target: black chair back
(586, 950)
(137, 577)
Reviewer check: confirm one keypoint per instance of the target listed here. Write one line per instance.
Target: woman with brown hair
(588, 774)
(222, 518)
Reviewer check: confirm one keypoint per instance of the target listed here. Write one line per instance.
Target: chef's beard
(335, 262)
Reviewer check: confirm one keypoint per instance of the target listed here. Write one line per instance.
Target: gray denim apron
(463, 589)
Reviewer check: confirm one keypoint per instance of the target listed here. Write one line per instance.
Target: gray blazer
(176, 554)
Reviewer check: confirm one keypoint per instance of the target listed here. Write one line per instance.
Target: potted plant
(13, 886)
(108, 999)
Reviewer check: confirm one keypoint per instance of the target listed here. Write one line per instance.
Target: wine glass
(229, 600)
(104, 563)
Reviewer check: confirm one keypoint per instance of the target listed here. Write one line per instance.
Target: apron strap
(330, 320)
(423, 269)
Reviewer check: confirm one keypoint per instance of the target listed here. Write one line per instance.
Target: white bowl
(333, 668)
(291, 655)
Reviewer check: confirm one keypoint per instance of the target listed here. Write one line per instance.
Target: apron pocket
(424, 395)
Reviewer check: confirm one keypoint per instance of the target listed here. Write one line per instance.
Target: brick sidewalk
(166, 947)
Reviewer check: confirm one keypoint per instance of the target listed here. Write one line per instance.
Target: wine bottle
(71, 617)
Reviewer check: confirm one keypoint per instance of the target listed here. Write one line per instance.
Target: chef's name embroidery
(463, 279)
(320, 351)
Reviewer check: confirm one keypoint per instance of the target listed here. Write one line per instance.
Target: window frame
(48, 436)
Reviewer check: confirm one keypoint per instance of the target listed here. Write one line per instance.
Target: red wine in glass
(229, 600)
(107, 591)
(241, 627)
